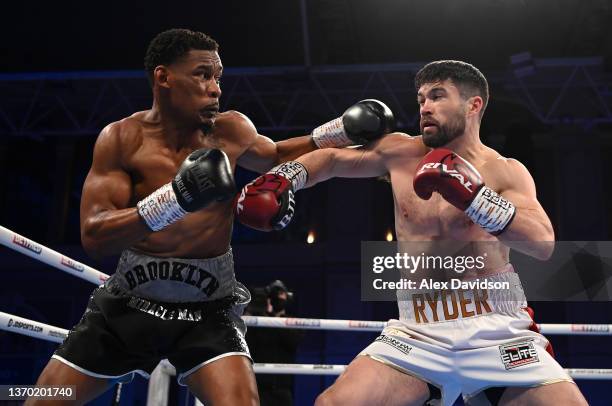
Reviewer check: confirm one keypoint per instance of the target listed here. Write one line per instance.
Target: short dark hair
(468, 79)
(169, 46)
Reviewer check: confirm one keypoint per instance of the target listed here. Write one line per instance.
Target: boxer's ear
(160, 76)
(475, 105)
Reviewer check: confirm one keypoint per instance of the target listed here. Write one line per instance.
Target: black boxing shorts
(120, 335)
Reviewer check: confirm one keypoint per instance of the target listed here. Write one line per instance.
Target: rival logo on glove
(450, 172)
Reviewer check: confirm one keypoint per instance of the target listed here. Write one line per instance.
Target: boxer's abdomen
(203, 234)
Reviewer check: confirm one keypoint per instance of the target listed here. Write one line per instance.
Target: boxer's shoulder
(401, 145)
(135, 123)
(236, 127)
(493, 160)
(122, 138)
(503, 170)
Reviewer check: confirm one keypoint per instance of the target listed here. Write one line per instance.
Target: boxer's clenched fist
(453, 177)
(204, 177)
(361, 123)
(268, 202)
(460, 184)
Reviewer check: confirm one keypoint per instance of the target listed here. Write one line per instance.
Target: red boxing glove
(268, 202)
(461, 185)
(445, 172)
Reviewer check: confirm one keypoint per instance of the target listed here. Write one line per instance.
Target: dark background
(69, 68)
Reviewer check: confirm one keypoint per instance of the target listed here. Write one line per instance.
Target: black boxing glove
(361, 123)
(204, 177)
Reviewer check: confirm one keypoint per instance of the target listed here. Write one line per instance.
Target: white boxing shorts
(464, 342)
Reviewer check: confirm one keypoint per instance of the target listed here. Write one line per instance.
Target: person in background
(273, 345)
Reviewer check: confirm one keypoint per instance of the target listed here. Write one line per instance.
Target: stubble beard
(454, 128)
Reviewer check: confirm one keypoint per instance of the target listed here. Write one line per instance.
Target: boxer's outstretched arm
(531, 231)
(361, 123)
(107, 225)
(267, 203)
(364, 162)
(324, 164)
(263, 153)
(260, 153)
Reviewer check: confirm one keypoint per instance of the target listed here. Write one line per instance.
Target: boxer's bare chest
(205, 233)
(154, 163)
(433, 219)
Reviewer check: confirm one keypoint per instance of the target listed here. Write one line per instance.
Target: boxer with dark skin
(447, 185)
(136, 158)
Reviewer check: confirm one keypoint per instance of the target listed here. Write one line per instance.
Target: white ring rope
(19, 243)
(41, 253)
(364, 325)
(313, 324)
(20, 325)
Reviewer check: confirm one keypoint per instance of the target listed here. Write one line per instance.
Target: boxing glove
(268, 203)
(460, 184)
(361, 123)
(204, 177)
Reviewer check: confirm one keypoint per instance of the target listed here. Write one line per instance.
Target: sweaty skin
(367, 381)
(135, 156)
(435, 219)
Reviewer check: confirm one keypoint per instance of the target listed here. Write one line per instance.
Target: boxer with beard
(447, 186)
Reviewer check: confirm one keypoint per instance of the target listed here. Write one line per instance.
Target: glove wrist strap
(331, 135)
(491, 211)
(293, 171)
(160, 208)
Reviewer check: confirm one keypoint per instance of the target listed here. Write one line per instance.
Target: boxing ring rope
(37, 251)
(159, 382)
(35, 329)
(377, 326)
